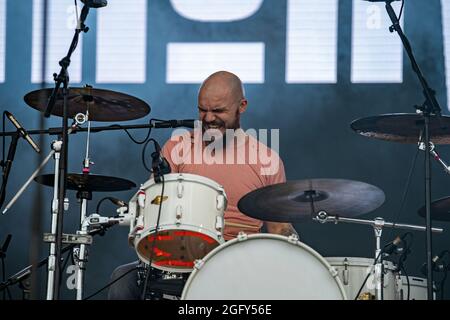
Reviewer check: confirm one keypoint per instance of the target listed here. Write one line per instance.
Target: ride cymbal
(89, 182)
(103, 105)
(403, 128)
(440, 210)
(298, 201)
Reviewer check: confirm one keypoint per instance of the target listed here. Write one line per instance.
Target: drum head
(175, 250)
(263, 266)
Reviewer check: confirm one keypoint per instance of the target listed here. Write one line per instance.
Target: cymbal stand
(81, 254)
(378, 224)
(429, 107)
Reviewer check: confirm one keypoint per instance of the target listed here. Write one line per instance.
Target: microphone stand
(429, 107)
(63, 79)
(8, 164)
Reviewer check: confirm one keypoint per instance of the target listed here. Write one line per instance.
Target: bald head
(221, 101)
(224, 82)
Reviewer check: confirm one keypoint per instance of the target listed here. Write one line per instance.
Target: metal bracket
(69, 238)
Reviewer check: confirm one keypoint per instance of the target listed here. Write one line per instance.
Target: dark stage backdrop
(314, 121)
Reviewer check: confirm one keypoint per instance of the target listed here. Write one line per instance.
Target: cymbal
(103, 105)
(440, 210)
(403, 128)
(89, 182)
(291, 201)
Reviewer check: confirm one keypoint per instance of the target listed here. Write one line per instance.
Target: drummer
(221, 102)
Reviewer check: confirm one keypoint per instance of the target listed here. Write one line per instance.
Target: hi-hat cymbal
(103, 105)
(291, 201)
(440, 210)
(89, 182)
(403, 128)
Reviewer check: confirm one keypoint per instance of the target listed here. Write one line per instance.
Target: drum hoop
(148, 231)
(198, 266)
(187, 177)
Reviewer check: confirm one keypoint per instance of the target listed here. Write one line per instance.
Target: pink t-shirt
(244, 165)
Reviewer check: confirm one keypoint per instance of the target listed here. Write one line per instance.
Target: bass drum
(263, 266)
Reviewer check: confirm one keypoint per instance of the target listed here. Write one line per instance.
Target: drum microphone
(437, 264)
(118, 202)
(394, 245)
(160, 165)
(189, 123)
(95, 3)
(22, 131)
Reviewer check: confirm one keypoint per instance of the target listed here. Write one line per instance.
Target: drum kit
(176, 220)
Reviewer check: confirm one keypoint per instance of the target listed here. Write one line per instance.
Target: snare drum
(354, 270)
(263, 266)
(190, 224)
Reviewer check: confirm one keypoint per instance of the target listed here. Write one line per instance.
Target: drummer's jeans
(126, 288)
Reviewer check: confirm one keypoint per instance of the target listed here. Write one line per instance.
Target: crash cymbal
(403, 128)
(291, 201)
(89, 182)
(103, 105)
(440, 210)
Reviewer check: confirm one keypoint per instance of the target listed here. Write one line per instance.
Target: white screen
(216, 10)
(193, 62)
(311, 44)
(61, 28)
(2, 39)
(122, 42)
(377, 54)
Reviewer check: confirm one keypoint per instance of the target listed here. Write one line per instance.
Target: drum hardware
(22, 276)
(426, 125)
(378, 224)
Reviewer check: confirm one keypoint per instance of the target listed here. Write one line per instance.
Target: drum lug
(219, 223)
(179, 213)
(345, 272)
(180, 188)
(220, 202)
(293, 238)
(333, 271)
(198, 263)
(242, 236)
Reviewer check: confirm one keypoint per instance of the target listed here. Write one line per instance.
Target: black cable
(143, 153)
(152, 248)
(368, 275)
(3, 138)
(97, 209)
(110, 284)
(401, 10)
(406, 189)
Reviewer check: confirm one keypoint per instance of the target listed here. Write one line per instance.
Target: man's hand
(285, 229)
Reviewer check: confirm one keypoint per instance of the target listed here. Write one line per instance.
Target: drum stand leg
(378, 229)
(56, 146)
(81, 253)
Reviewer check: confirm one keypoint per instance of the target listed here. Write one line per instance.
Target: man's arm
(285, 229)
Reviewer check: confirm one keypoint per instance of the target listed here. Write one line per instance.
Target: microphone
(23, 132)
(394, 245)
(436, 262)
(160, 165)
(95, 3)
(118, 202)
(189, 123)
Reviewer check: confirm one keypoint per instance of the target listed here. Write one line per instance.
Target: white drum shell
(353, 271)
(418, 289)
(193, 203)
(263, 267)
